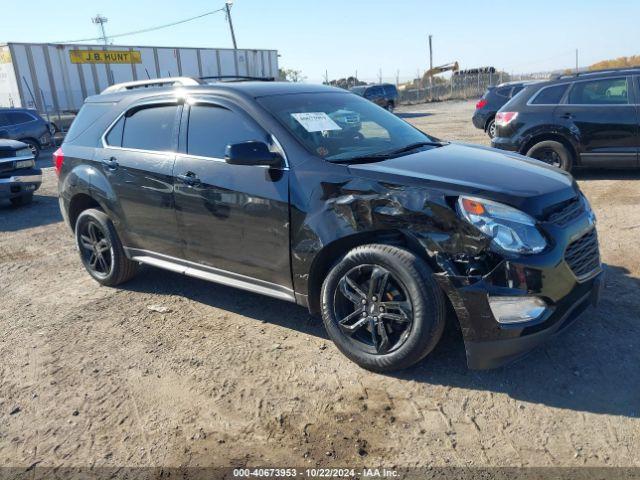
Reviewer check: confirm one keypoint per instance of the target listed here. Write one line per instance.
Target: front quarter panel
(342, 206)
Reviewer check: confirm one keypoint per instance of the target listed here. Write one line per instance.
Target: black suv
(590, 119)
(25, 125)
(255, 185)
(492, 100)
(384, 94)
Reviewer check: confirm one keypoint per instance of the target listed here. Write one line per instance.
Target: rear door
(602, 113)
(137, 160)
(232, 218)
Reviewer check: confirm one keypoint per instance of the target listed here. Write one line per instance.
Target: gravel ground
(173, 371)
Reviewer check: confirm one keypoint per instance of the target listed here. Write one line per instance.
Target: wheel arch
(488, 121)
(552, 136)
(327, 257)
(79, 203)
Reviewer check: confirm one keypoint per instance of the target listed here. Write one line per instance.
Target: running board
(211, 274)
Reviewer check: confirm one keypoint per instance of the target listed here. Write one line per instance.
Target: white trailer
(56, 78)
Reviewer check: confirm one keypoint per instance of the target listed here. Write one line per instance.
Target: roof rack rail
(237, 78)
(592, 72)
(151, 83)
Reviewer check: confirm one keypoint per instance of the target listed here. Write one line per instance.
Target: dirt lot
(92, 376)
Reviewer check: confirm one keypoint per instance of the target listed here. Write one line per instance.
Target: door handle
(189, 178)
(567, 116)
(111, 163)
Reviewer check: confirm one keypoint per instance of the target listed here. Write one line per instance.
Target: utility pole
(576, 60)
(227, 6)
(430, 66)
(380, 75)
(100, 20)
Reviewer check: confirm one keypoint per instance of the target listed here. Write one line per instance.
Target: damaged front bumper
(565, 287)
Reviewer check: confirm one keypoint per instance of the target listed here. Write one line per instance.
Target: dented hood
(519, 181)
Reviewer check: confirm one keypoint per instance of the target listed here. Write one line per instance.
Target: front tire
(390, 107)
(100, 249)
(552, 153)
(382, 308)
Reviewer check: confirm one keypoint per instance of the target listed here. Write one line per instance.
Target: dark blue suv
(25, 125)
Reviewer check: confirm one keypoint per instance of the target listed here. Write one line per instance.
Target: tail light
(481, 104)
(505, 118)
(58, 160)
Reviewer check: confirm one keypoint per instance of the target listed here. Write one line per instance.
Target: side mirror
(251, 153)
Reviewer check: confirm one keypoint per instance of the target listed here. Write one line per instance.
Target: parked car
(492, 100)
(384, 94)
(376, 232)
(19, 177)
(25, 125)
(585, 120)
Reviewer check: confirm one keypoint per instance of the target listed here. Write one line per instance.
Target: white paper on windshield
(316, 121)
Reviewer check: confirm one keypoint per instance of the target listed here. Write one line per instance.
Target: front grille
(567, 213)
(583, 256)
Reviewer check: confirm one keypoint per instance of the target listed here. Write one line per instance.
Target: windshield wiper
(413, 146)
(374, 157)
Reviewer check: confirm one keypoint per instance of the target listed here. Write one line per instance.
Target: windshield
(342, 126)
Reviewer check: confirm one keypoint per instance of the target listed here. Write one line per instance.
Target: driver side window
(212, 128)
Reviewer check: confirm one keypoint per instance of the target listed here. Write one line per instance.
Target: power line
(150, 29)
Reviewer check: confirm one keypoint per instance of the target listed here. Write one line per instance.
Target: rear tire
(491, 129)
(390, 321)
(552, 153)
(22, 201)
(100, 249)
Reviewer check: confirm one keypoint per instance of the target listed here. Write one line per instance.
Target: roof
(253, 89)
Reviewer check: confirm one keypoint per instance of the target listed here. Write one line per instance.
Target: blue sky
(342, 36)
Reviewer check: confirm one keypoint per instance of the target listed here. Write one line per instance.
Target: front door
(603, 115)
(138, 161)
(233, 219)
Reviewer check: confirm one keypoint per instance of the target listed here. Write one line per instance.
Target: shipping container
(56, 78)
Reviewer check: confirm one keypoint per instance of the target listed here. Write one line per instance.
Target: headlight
(24, 152)
(510, 229)
(25, 164)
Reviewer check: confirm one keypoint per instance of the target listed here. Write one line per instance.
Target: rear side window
(504, 92)
(114, 137)
(516, 90)
(373, 92)
(550, 95)
(612, 91)
(150, 128)
(211, 129)
(87, 116)
(16, 118)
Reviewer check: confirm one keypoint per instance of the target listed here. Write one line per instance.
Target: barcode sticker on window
(316, 121)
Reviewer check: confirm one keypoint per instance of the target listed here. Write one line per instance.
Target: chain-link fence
(461, 85)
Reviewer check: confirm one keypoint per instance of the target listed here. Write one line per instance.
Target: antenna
(100, 20)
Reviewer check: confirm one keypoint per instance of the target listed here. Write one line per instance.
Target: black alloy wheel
(101, 250)
(382, 307)
(374, 309)
(552, 153)
(95, 249)
(548, 156)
